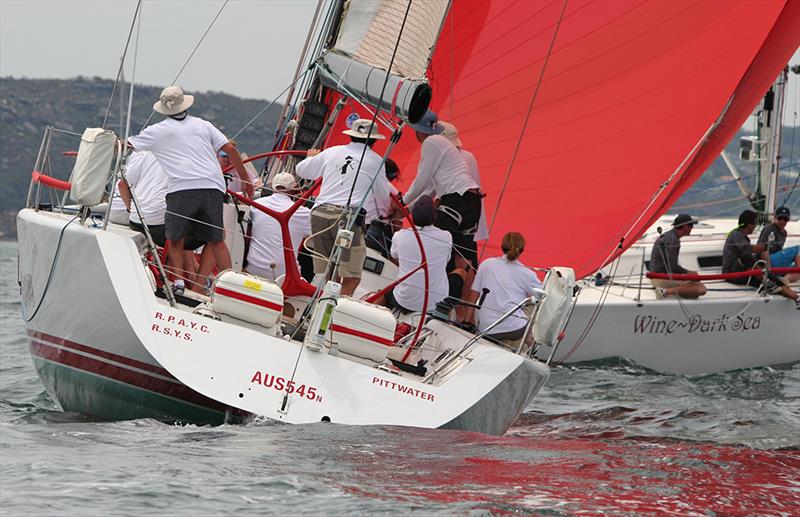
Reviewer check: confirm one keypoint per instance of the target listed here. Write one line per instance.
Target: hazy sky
(251, 51)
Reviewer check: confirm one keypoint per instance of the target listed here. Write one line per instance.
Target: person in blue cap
(773, 237)
(443, 173)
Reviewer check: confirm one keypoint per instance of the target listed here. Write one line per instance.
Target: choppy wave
(605, 437)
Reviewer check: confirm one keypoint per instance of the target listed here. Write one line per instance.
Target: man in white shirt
(149, 182)
(383, 219)
(266, 255)
(346, 180)
(443, 171)
(235, 183)
(187, 147)
(438, 245)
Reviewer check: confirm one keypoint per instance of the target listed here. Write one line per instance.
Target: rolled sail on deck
(357, 64)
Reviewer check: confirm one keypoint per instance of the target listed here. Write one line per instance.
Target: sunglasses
(782, 218)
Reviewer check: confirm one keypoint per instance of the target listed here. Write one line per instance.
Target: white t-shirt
(149, 182)
(378, 207)
(509, 282)
(438, 245)
(337, 166)
(266, 244)
(187, 151)
(117, 204)
(472, 168)
(441, 169)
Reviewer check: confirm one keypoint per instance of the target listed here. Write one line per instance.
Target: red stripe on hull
(100, 353)
(173, 389)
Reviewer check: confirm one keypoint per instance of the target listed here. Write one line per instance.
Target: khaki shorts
(666, 284)
(324, 226)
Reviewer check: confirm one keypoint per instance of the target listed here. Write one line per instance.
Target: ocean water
(609, 438)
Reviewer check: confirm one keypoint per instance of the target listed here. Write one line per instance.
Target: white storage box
(248, 298)
(362, 329)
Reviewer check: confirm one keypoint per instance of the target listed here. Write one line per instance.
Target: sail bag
(92, 166)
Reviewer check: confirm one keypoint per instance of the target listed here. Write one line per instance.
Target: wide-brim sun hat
(173, 101)
(364, 128)
(683, 220)
(284, 181)
(451, 133)
(428, 124)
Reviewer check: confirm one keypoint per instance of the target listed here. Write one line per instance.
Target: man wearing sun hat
(265, 257)
(346, 179)
(773, 236)
(444, 172)
(186, 147)
(664, 259)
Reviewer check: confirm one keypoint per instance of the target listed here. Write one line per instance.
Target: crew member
(775, 251)
(347, 173)
(383, 219)
(149, 182)
(664, 259)
(265, 257)
(739, 255)
(443, 171)
(187, 147)
(509, 281)
(409, 294)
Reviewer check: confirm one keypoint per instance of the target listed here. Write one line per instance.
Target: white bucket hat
(284, 181)
(173, 101)
(451, 133)
(364, 128)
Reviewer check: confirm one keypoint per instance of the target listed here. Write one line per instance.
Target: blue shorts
(784, 257)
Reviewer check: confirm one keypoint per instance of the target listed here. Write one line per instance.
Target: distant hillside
(28, 105)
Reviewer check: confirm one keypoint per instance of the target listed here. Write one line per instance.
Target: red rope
(723, 276)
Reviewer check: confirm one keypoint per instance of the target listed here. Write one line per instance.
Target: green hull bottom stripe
(82, 392)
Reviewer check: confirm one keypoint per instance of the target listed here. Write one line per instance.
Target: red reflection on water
(582, 476)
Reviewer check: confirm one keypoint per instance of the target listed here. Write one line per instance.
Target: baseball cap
(284, 181)
(783, 211)
(428, 124)
(683, 219)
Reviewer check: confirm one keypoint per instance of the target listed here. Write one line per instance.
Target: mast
(769, 130)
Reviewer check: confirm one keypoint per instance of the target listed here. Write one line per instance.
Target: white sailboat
(537, 90)
(110, 339)
(731, 327)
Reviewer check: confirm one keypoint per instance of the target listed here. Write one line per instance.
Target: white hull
(729, 328)
(100, 298)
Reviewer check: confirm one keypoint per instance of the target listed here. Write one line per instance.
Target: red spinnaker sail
(586, 108)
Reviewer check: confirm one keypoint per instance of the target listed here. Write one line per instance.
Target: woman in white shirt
(509, 282)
